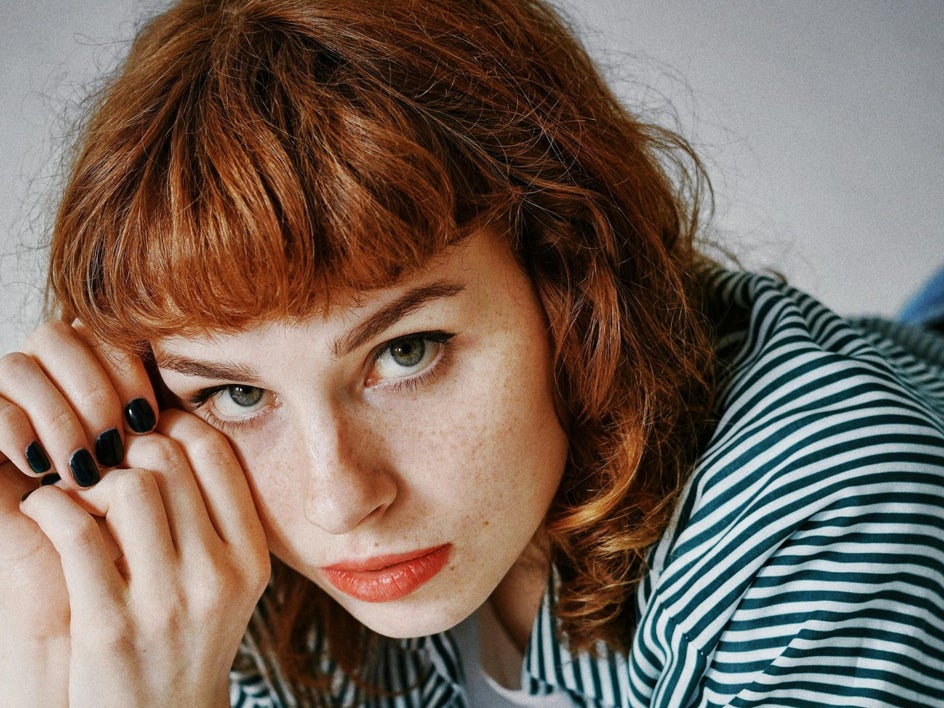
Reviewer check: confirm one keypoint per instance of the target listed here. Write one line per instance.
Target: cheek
(493, 446)
(271, 465)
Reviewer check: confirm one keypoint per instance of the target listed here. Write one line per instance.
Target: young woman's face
(403, 450)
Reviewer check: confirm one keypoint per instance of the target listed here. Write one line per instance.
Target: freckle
(486, 522)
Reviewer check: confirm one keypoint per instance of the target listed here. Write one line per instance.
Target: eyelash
(201, 398)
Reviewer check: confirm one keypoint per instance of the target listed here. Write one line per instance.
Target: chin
(410, 617)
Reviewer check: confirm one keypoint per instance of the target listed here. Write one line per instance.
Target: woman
(400, 294)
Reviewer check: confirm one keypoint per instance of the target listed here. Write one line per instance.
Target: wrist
(36, 673)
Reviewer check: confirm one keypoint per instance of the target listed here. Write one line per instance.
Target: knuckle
(185, 425)
(123, 363)
(62, 419)
(95, 398)
(260, 575)
(171, 419)
(199, 438)
(206, 598)
(134, 487)
(249, 573)
(116, 635)
(12, 418)
(15, 366)
(154, 452)
(81, 532)
(211, 444)
(163, 617)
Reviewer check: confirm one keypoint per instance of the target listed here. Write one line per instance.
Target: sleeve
(849, 606)
(826, 591)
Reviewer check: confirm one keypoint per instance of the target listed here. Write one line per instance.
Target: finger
(53, 421)
(70, 363)
(19, 443)
(220, 477)
(130, 380)
(19, 538)
(132, 506)
(187, 517)
(92, 580)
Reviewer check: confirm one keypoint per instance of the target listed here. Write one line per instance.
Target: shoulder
(805, 395)
(779, 348)
(810, 541)
(813, 411)
(807, 398)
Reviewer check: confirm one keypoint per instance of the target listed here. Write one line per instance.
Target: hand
(65, 403)
(34, 606)
(56, 397)
(161, 625)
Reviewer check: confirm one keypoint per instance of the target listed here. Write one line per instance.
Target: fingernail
(140, 415)
(49, 479)
(37, 459)
(23, 498)
(84, 470)
(109, 449)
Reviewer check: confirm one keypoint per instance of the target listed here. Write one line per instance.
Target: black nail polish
(49, 479)
(84, 470)
(140, 415)
(109, 450)
(37, 459)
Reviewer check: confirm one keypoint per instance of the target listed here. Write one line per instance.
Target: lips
(388, 578)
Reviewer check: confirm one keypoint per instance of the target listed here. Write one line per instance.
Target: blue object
(926, 308)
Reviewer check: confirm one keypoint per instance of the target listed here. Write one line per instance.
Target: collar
(600, 679)
(435, 671)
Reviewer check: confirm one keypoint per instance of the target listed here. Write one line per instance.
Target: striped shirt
(804, 564)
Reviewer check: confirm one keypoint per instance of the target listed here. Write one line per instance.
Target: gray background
(821, 124)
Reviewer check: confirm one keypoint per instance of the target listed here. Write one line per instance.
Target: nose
(350, 481)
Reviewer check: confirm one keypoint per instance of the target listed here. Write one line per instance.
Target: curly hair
(274, 153)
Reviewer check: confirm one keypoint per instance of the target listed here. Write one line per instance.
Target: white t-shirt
(492, 665)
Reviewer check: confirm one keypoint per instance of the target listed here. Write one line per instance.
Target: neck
(518, 596)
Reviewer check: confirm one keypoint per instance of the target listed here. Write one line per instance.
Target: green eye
(245, 396)
(230, 406)
(408, 358)
(237, 401)
(408, 352)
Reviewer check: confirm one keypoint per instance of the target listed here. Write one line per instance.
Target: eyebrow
(391, 313)
(204, 370)
(385, 317)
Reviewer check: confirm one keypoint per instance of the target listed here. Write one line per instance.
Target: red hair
(253, 157)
